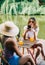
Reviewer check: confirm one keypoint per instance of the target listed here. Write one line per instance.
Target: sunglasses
(32, 21)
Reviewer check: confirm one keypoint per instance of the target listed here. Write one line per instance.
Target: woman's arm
(36, 31)
(34, 36)
(3, 58)
(24, 36)
(17, 51)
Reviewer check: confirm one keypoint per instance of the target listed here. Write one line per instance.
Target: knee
(40, 45)
(28, 56)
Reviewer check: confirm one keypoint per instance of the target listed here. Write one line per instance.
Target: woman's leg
(39, 45)
(30, 50)
(25, 59)
(37, 54)
(28, 63)
(23, 50)
(42, 52)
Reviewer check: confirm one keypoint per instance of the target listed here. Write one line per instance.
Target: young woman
(13, 55)
(35, 29)
(7, 30)
(32, 22)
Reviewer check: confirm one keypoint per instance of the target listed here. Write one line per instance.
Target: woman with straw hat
(9, 30)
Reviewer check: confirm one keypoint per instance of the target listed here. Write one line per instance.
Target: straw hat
(9, 29)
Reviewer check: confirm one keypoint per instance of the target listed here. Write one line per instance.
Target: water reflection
(21, 21)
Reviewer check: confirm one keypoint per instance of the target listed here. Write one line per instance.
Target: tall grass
(23, 7)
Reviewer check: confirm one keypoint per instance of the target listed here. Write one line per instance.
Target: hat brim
(13, 32)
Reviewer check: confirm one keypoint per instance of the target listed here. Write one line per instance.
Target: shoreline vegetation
(23, 7)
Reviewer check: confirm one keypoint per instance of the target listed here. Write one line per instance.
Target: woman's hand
(27, 30)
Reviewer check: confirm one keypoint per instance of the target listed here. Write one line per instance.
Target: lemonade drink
(20, 43)
(31, 39)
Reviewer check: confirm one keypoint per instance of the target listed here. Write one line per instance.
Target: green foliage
(30, 0)
(42, 1)
(1, 2)
(19, 8)
(22, 7)
(17, 0)
(10, 1)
